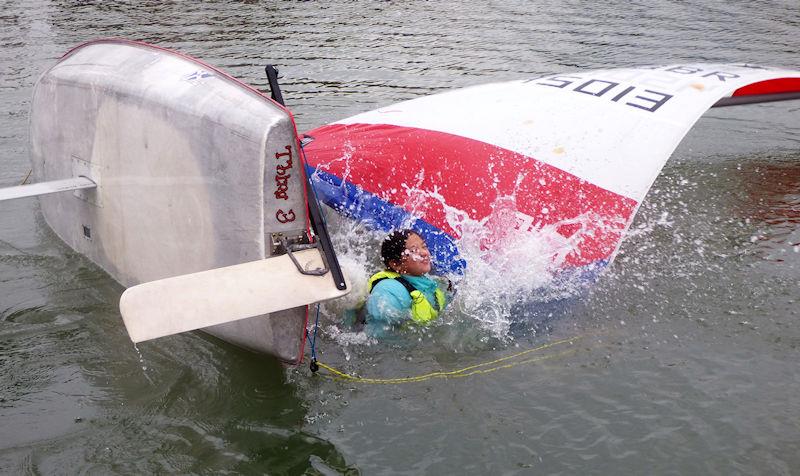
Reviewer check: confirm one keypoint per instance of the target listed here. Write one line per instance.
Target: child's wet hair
(393, 246)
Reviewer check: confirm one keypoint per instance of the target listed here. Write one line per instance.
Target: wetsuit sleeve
(388, 305)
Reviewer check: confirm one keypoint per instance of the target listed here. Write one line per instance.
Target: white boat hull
(194, 171)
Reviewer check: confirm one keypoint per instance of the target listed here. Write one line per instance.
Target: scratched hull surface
(690, 348)
(185, 164)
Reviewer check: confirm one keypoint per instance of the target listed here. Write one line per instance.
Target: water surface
(683, 358)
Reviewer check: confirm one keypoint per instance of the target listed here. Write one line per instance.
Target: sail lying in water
(575, 151)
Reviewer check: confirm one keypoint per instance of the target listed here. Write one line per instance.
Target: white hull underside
(184, 158)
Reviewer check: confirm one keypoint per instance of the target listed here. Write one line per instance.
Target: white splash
(511, 264)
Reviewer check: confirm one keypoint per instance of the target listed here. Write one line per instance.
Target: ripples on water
(687, 361)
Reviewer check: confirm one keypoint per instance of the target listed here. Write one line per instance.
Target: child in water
(402, 292)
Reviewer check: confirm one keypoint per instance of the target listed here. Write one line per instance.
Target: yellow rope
(465, 372)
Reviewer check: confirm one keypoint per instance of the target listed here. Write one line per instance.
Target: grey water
(682, 359)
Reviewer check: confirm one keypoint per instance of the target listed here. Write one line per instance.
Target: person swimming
(403, 292)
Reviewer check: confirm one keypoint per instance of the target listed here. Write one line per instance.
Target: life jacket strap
(409, 287)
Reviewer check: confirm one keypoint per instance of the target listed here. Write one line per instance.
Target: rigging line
(3, 242)
(25, 180)
(314, 342)
(444, 375)
(464, 372)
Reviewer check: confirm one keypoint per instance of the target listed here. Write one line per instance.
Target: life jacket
(422, 311)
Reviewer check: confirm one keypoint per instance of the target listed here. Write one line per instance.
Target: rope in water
(482, 368)
(314, 364)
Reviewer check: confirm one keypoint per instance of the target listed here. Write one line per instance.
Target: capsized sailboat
(189, 188)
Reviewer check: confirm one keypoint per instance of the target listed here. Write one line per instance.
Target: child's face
(416, 259)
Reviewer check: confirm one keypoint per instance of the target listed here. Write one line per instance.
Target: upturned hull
(195, 171)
